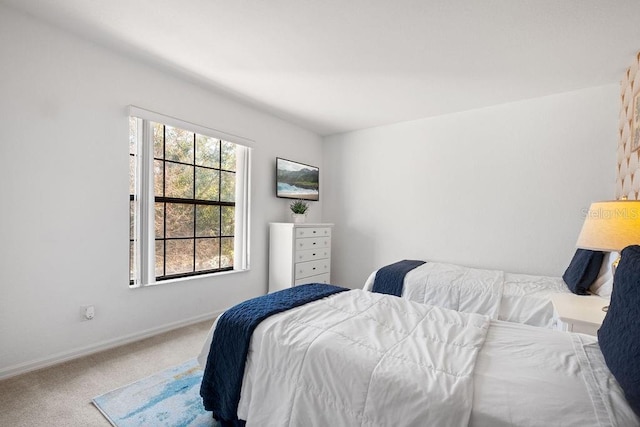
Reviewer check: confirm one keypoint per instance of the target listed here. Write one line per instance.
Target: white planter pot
(299, 218)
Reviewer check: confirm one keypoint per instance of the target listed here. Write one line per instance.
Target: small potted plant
(299, 210)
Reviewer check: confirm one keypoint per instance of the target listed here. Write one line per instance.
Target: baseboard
(23, 368)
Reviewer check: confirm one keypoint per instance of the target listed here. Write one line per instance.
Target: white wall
(500, 187)
(64, 199)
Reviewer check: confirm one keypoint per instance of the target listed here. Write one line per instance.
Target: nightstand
(579, 313)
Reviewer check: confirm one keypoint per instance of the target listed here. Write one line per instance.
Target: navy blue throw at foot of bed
(222, 379)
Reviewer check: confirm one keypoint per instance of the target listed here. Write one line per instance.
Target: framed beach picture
(635, 123)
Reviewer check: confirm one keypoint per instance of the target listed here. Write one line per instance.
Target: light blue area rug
(168, 398)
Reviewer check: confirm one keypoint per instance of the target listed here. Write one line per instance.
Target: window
(188, 200)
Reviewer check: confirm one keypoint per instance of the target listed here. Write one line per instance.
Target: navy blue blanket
(390, 279)
(222, 380)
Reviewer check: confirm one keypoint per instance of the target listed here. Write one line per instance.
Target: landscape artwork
(296, 180)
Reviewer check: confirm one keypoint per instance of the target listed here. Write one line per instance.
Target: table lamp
(611, 226)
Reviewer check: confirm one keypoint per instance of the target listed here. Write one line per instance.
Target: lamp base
(614, 265)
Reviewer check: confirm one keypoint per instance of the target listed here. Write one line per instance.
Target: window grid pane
(226, 255)
(179, 218)
(228, 156)
(207, 254)
(178, 180)
(207, 151)
(178, 256)
(228, 218)
(207, 221)
(178, 145)
(159, 220)
(158, 177)
(159, 258)
(207, 184)
(132, 261)
(158, 140)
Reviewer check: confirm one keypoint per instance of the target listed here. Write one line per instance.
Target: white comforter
(511, 297)
(362, 359)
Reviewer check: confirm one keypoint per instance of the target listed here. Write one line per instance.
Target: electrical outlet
(88, 312)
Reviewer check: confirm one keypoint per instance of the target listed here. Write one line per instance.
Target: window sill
(191, 278)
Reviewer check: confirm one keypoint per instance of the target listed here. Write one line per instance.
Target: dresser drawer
(313, 232)
(313, 254)
(320, 278)
(313, 243)
(312, 268)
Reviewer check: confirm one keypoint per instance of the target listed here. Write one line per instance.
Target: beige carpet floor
(61, 395)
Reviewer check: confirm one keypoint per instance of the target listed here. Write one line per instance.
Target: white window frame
(143, 229)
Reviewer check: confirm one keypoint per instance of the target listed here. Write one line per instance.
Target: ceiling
(333, 66)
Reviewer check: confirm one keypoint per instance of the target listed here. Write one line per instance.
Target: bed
(511, 297)
(360, 358)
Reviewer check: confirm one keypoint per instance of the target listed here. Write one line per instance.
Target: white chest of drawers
(298, 253)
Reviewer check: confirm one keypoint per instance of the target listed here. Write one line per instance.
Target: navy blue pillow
(583, 270)
(619, 335)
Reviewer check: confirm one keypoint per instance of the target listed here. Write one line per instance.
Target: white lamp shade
(611, 226)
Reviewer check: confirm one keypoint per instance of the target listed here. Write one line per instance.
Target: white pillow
(604, 282)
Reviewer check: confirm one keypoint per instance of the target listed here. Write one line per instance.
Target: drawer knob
(314, 243)
(314, 254)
